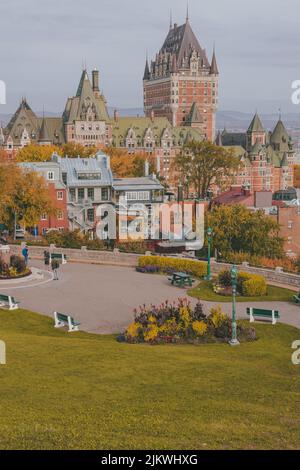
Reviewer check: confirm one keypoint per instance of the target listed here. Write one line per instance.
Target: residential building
(51, 171)
(89, 184)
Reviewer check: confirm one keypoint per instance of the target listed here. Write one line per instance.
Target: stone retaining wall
(116, 258)
(83, 255)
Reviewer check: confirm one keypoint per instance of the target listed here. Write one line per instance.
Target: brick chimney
(116, 115)
(95, 82)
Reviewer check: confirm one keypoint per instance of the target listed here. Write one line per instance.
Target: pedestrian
(47, 259)
(25, 253)
(55, 267)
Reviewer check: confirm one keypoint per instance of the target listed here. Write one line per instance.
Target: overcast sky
(44, 43)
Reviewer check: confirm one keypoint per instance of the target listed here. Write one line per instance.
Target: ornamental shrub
(17, 263)
(217, 317)
(224, 278)
(255, 287)
(196, 268)
(199, 327)
(133, 330)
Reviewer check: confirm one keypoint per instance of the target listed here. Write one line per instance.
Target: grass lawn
(64, 390)
(204, 291)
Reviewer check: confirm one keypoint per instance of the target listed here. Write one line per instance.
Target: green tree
(237, 229)
(203, 164)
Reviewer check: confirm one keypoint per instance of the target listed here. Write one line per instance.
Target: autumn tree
(124, 164)
(36, 153)
(297, 176)
(202, 164)
(237, 229)
(24, 196)
(72, 149)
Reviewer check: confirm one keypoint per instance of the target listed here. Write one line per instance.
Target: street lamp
(234, 273)
(209, 238)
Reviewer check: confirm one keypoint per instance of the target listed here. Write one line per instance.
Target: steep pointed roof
(256, 125)
(279, 135)
(214, 66)
(194, 116)
(23, 118)
(85, 99)
(43, 134)
(180, 41)
(147, 71)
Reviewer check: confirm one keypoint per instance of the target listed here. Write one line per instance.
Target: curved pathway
(103, 298)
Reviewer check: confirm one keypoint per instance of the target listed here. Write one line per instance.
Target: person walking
(25, 253)
(47, 259)
(55, 267)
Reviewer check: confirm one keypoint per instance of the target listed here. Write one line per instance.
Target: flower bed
(180, 322)
(170, 265)
(14, 269)
(248, 285)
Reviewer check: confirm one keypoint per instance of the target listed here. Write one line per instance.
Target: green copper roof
(157, 128)
(194, 116)
(256, 125)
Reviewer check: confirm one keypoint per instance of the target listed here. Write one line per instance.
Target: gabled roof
(85, 97)
(256, 125)
(180, 41)
(23, 118)
(234, 138)
(140, 125)
(257, 148)
(194, 116)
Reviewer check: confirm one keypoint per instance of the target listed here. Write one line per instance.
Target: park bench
(297, 298)
(59, 256)
(261, 313)
(181, 279)
(8, 301)
(61, 319)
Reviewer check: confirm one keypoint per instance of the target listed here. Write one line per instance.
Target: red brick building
(267, 158)
(181, 84)
(51, 171)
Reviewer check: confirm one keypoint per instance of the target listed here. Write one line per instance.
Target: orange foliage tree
(124, 164)
(24, 195)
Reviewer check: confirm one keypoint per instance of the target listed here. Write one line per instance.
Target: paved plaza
(103, 298)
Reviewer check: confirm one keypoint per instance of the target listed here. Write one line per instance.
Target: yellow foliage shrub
(133, 330)
(256, 286)
(217, 316)
(185, 315)
(197, 268)
(151, 333)
(199, 327)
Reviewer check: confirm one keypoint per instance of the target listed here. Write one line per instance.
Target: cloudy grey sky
(44, 43)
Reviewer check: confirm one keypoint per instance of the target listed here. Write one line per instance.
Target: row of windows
(59, 215)
(137, 195)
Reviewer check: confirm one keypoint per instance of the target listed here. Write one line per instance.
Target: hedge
(197, 268)
(252, 285)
